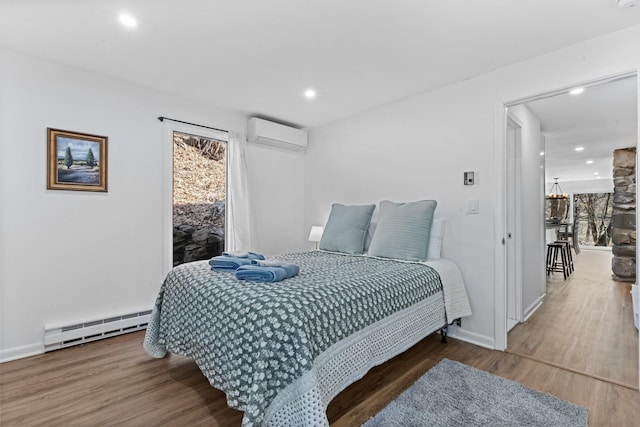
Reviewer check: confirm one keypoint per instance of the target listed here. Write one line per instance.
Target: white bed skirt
(304, 402)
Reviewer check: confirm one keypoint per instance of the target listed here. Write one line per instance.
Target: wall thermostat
(469, 178)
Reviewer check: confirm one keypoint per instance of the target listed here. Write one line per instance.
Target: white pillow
(435, 240)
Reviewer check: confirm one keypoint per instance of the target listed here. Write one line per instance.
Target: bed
(281, 351)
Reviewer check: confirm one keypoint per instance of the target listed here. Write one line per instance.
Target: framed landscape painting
(76, 161)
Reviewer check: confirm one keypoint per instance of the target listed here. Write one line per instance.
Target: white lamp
(316, 234)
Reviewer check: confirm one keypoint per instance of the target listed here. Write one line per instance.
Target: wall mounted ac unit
(262, 131)
(628, 3)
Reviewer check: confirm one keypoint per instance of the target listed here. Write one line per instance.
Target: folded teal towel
(230, 261)
(243, 254)
(292, 269)
(227, 263)
(258, 273)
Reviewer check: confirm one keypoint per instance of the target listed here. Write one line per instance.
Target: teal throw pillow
(403, 230)
(346, 228)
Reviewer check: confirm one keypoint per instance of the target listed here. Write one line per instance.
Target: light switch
(473, 206)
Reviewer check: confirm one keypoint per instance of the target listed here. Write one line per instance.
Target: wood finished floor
(114, 383)
(585, 323)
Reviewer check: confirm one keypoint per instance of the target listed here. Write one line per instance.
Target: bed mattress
(281, 351)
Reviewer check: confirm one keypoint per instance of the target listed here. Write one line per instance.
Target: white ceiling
(604, 117)
(258, 56)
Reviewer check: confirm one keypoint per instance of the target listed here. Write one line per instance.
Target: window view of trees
(592, 217)
(199, 196)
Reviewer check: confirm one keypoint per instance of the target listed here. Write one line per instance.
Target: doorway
(514, 222)
(575, 157)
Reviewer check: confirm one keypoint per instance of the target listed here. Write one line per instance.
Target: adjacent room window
(592, 218)
(199, 197)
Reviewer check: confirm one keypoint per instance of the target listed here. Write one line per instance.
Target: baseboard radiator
(80, 333)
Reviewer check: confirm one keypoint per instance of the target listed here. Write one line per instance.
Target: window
(592, 218)
(199, 196)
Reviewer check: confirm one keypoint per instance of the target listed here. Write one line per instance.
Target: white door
(513, 239)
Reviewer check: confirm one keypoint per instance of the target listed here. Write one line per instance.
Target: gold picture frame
(76, 161)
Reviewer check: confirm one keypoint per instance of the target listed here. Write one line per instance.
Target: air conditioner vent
(260, 131)
(627, 3)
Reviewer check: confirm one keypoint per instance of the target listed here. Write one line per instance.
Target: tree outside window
(592, 217)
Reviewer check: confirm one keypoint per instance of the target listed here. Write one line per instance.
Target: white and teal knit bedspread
(281, 351)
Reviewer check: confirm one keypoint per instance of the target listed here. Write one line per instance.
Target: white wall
(413, 150)
(419, 147)
(587, 186)
(277, 197)
(532, 208)
(76, 256)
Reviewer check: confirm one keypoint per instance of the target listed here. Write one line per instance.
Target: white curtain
(239, 234)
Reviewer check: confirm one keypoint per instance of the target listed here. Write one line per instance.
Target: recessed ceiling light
(596, 173)
(542, 153)
(310, 93)
(589, 162)
(579, 148)
(127, 20)
(576, 91)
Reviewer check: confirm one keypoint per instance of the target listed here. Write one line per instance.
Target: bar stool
(553, 249)
(569, 256)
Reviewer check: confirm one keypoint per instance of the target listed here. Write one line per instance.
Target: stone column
(623, 219)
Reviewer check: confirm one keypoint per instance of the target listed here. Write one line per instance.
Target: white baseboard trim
(21, 352)
(456, 332)
(533, 307)
(471, 337)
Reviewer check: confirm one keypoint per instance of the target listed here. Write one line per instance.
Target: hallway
(584, 325)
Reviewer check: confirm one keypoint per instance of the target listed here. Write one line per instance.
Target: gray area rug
(454, 394)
